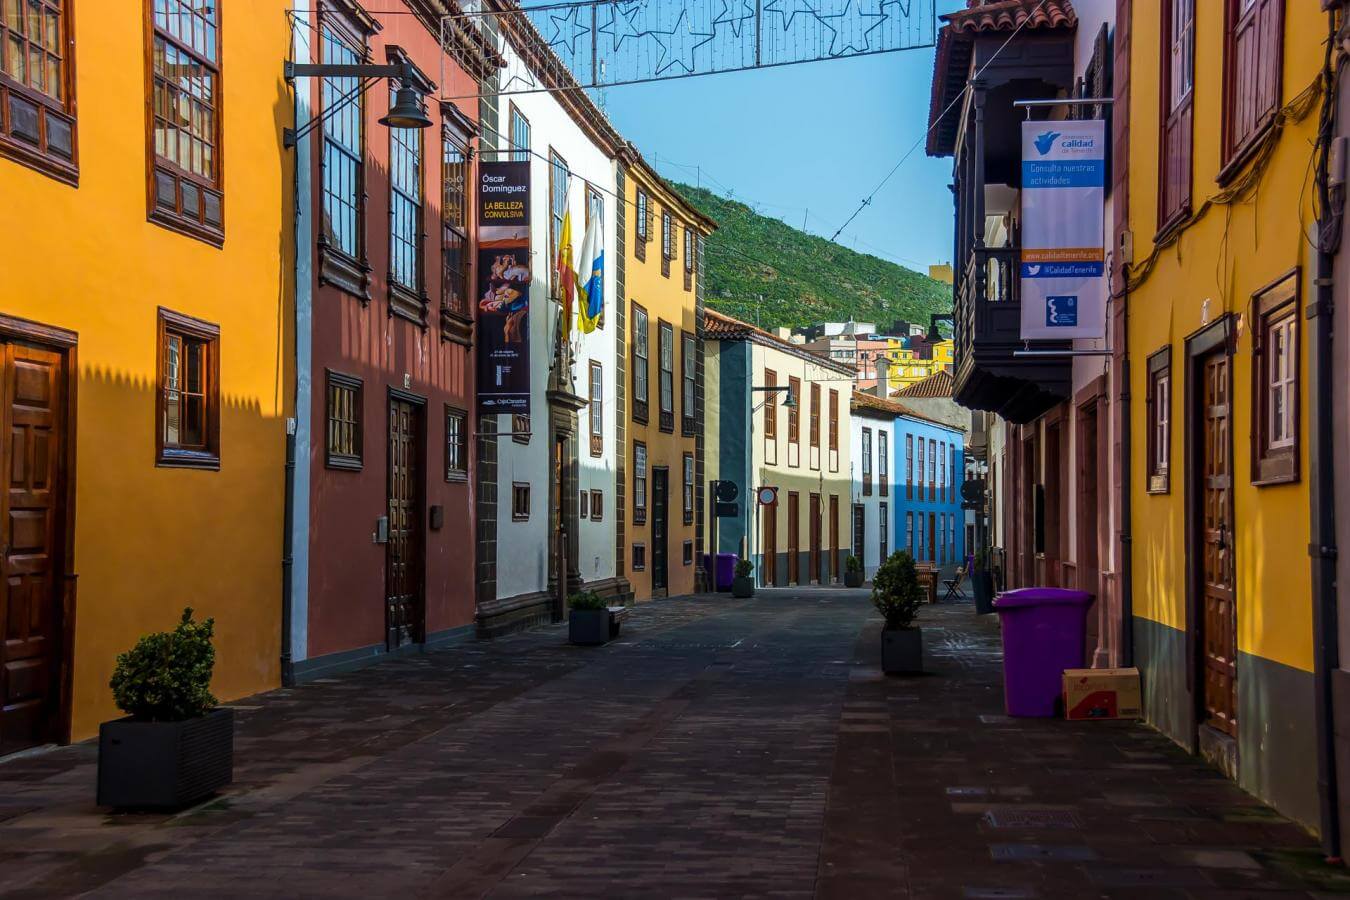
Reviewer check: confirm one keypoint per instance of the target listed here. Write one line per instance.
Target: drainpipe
(1322, 549)
(1126, 504)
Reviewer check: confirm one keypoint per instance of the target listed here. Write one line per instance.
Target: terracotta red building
(383, 514)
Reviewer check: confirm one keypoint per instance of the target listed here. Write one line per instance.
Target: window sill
(457, 477)
(1158, 484)
(1242, 155)
(343, 272)
(1173, 224)
(170, 458)
(1275, 468)
(347, 463)
(407, 304)
(187, 227)
(639, 518)
(687, 428)
(456, 327)
(35, 159)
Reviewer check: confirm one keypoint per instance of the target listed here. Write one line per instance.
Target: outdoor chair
(954, 591)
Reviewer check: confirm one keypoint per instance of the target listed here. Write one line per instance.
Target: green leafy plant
(896, 592)
(982, 560)
(166, 677)
(587, 600)
(851, 564)
(744, 568)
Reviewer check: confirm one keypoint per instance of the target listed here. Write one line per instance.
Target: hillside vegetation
(802, 278)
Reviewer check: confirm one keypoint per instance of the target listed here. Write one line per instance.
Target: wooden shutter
(1252, 64)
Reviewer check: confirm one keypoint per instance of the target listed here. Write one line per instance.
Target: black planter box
(164, 765)
(902, 651)
(588, 626)
(853, 579)
(983, 585)
(742, 586)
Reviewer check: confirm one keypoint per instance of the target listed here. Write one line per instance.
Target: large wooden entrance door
(770, 552)
(1215, 522)
(932, 537)
(660, 521)
(405, 552)
(813, 510)
(859, 531)
(32, 456)
(794, 532)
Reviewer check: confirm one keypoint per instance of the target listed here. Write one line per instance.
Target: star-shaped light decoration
(789, 10)
(620, 26)
(852, 28)
(522, 77)
(684, 32)
(566, 30)
(736, 22)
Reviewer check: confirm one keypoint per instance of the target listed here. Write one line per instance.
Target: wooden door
(404, 553)
(932, 537)
(32, 530)
(660, 512)
(1215, 521)
(859, 530)
(770, 552)
(1088, 529)
(794, 530)
(836, 563)
(813, 510)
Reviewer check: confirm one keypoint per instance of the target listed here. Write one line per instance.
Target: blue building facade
(928, 462)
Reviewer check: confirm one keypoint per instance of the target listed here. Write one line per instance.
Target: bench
(617, 615)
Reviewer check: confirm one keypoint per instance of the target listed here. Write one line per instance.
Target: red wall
(347, 568)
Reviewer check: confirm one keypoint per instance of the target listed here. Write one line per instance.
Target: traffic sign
(768, 496)
(726, 491)
(972, 489)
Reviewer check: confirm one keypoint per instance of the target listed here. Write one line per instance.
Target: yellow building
(660, 499)
(144, 324)
(1218, 210)
(907, 367)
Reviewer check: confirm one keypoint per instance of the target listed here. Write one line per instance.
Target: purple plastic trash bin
(1043, 634)
(726, 570)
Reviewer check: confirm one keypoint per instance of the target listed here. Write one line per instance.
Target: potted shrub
(982, 583)
(743, 585)
(897, 595)
(176, 745)
(587, 618)
(853, 571)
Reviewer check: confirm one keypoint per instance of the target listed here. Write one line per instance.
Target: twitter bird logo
(1045, 141)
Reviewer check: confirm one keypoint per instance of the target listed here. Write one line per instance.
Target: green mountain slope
(803, 278)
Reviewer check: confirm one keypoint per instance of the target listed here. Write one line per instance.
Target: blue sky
(808, 141)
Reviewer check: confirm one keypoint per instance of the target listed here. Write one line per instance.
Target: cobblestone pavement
(719, 748)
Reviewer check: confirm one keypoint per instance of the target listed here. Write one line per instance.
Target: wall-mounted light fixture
(409, 109)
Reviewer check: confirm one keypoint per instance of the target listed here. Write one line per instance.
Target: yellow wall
(907, 367)
(1230, 253)
(665, 299)
(151, 540)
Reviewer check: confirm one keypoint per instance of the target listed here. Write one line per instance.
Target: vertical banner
(1063, 206)
(503, 287)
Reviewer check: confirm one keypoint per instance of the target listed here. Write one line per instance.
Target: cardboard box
(1101, 694)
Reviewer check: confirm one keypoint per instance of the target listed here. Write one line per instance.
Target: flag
(566, 276)
(591, 281)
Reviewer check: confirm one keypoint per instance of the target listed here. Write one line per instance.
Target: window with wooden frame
(344, 421)
(794, 411)
(942, 471)
(520, 501)
(909, 467)
(597, 505)
(639, 363)
(666, 363)
(883, 461)
(1275, 391)
(834, 421)
(37, 86)
(667, 243)
(342, 232)
(558, 177)
(884, 530)
(596, 413)
(688, 553)
(639, 483)
(919, 441)
(1158, 403)
(770, 407)
(642, 212)
(456, 444)
(688, 492)
(407, 296)
(951, 474)
(688, 394)
(519, 136)
(185, 189)
(814, 423)
(689, 259)
(639, 557)
(187, 403)
(1178, 90)
(909, 535)
(456, 318)
(932, 468)
(1252, 65)
(866, 462)
(584, 506)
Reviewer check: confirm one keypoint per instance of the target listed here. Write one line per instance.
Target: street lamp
(409, 109)
(789, 403)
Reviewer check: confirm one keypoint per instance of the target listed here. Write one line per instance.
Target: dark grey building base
(511, 614)
(360, 657)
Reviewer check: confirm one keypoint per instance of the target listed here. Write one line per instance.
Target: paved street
(720, 748)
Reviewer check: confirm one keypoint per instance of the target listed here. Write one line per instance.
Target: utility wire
(867, 201)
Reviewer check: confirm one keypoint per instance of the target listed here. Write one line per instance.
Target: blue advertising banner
(503, 288)
(1063, 265)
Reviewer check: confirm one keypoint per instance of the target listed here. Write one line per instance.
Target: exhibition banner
(1063, 265)
(503, 288)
